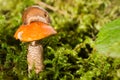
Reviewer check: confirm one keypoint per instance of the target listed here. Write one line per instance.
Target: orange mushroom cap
(34, 31)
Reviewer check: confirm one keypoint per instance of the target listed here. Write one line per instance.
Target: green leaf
(108, 41)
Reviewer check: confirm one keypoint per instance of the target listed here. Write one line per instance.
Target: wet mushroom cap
(34, 31)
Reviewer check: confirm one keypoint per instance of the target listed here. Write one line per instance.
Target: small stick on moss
(52, 8)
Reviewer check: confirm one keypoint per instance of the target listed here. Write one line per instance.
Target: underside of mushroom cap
(34, 31)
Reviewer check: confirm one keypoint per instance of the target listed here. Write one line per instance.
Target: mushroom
(36, 26)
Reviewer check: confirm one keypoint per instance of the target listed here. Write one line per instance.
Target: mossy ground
(69, 55)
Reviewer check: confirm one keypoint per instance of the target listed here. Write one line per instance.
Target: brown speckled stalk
(35, 57)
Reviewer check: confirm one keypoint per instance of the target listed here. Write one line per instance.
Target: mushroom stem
(35, 57)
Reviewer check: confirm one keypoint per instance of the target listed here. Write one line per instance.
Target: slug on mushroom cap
(35, 13)
(35, 25)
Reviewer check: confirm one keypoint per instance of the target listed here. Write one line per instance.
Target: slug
(35, 13)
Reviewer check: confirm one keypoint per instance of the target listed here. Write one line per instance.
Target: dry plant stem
(35, 57)
(52, 8)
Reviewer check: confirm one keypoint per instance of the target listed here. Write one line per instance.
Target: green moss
(68, 55)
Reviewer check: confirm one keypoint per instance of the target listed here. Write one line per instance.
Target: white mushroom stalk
(35, 57)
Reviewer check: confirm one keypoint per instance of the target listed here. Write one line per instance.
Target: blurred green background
(70, 54)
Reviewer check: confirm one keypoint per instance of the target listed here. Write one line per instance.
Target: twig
(52, 8)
